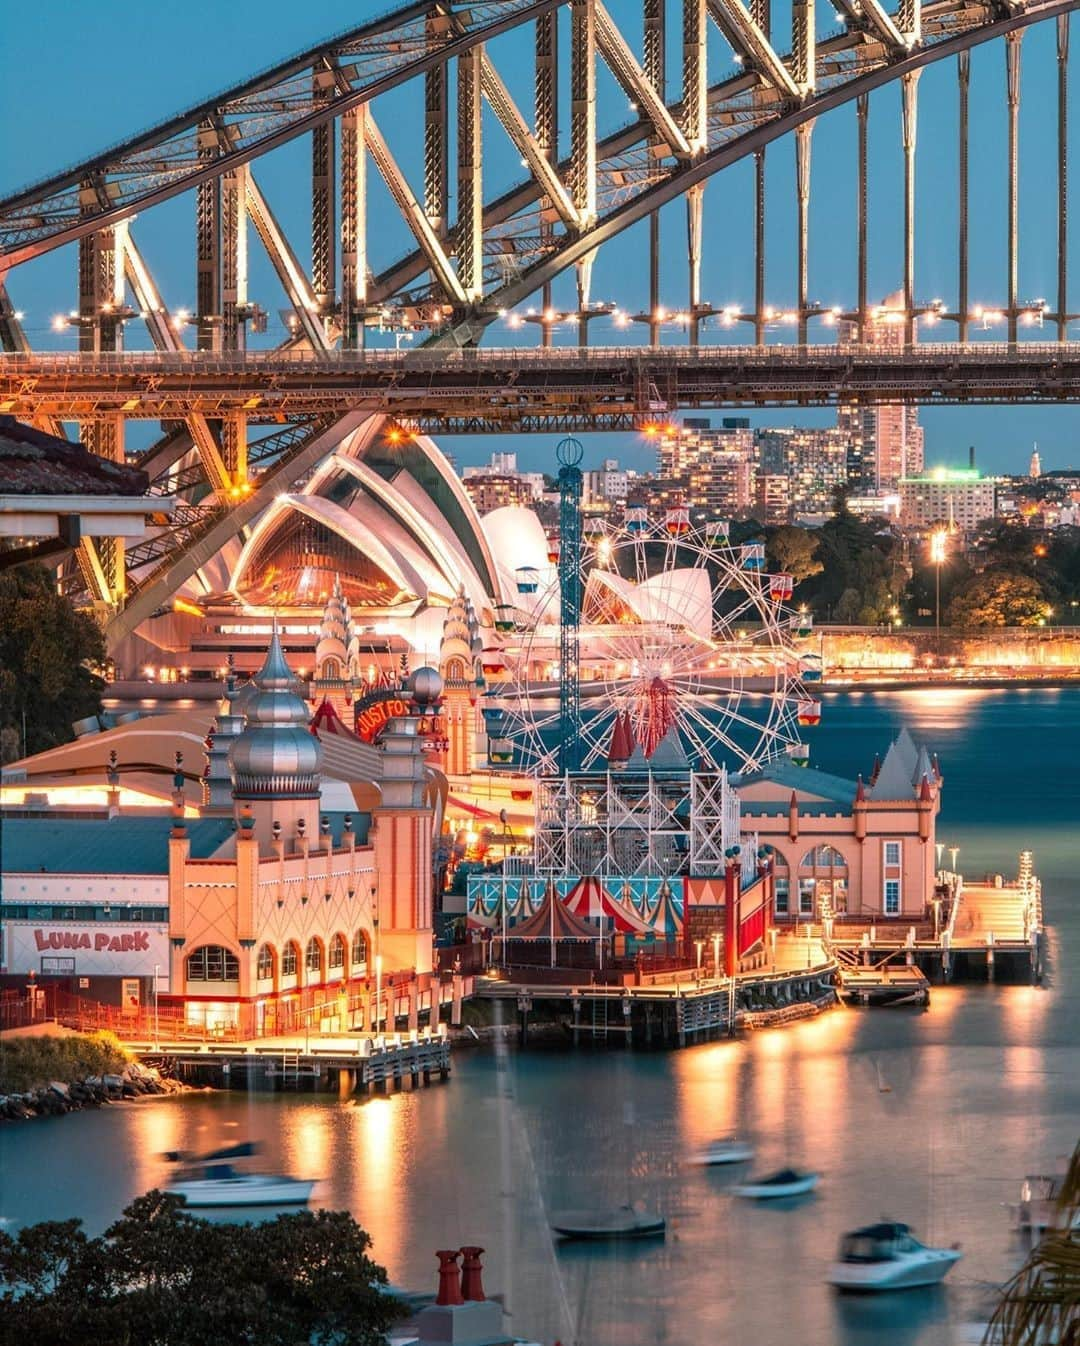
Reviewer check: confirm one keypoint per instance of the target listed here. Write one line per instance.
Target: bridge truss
(474, 255)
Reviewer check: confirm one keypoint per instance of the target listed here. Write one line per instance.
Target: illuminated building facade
(813, 461)
(961, 497)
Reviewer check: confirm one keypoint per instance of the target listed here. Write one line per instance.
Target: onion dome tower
(228, 724)
(459, 664)
(331, 652)
(275, 761)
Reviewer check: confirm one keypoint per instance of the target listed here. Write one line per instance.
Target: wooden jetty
(886, 982)
(347, 1063)
(984, 932)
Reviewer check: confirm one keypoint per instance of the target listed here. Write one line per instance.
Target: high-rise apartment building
(813, 462)
(885, 443)
(716, 467)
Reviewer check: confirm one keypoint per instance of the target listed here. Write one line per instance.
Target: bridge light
(19, 315)
(659, 314)
(59, 323)
(977, 311)
(737, 58)
(931, 318)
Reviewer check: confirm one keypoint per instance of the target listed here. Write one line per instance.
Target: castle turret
(217, 797)
(459, 652)
(275, 761)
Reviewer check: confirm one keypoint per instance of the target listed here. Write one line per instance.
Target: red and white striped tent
(589, 898)
(554, 921)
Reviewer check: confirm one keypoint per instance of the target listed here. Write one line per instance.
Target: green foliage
(861, 574)
(794, 551)
(998, 597)
(32, 1061)
(46, 650)
(161, 1277)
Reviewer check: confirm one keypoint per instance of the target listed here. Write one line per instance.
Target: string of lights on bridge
(1030, 313)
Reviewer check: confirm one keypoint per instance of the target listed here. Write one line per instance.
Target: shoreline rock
(59, 1097)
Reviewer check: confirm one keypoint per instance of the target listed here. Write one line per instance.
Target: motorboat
(724, 1152)
(211, 1181)
(1037, 1210)
(786, 1182)
(887, 1257)
(624, 1222)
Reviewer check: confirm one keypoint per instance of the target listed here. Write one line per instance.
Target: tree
(793, 551)
(161, 1277)
(48, 651)
(999, 597)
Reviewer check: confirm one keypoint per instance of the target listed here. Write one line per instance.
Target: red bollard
(449, 1277)
(471, 1269)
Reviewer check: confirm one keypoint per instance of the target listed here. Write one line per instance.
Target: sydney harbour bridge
(242, 421)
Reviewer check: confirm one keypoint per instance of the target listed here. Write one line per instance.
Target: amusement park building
(262, 900)
(845, 846)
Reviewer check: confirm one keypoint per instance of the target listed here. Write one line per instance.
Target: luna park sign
(137, 941)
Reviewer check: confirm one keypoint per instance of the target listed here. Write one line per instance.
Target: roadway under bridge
(519, 389)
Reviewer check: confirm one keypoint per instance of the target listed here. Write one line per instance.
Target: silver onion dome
(276, 756)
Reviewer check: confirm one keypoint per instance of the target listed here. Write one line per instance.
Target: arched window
(313, 956)
(359, 949)
(264, 966)
(336, 954)
(455, 670)
(823, 881)
(212, 963)
(330, 669)
(289, 960)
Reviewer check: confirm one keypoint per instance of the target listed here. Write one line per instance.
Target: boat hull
(755, 1191)
(898, 1274)
(585, 1225)
(723, 1154)
(236, 1192)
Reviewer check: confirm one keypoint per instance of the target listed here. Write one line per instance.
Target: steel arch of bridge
(565, 209)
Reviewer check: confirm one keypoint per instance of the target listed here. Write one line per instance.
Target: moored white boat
(724, 1152)
(624, 1222)
(787, 1182)
(1037, 1210)
(886, 1256)
(210, 1182)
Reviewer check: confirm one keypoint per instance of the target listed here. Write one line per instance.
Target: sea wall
(1005, 652)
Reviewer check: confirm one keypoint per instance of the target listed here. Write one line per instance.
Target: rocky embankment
(61, 1096)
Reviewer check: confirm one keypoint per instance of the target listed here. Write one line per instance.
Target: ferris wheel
(691, 656)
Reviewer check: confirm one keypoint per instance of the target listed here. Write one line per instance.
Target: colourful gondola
(637, 519)
(809, 712)
(500, 751)
(802, 624)
(753, 556)
(718, 533)
(528, 579)
(504, 618)
(677, 521)
(781, 587)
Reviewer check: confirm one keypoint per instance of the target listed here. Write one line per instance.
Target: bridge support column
(802, 191)
(1063, 177)
(862, 110)
(695, 206)
(436, 166)
(759, 247)
(470, 194)
(546, 128)
(208, 248)
(655, 54)
(963, 77)
(909, 92)
(234, 259)
(235, 450)
(354, 265)
(583, 108)
(324, 205)
(1012, 85)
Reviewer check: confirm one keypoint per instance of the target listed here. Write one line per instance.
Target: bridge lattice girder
(560, 212)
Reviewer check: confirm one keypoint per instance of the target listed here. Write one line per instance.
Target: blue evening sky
(75, 77)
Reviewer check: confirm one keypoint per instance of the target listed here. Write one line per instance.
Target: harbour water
(930, 1117)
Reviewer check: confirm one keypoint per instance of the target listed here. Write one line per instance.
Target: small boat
(210, 1180)
(724, 1152)
(624, 1222)
(787, 1182)
(886, 1257)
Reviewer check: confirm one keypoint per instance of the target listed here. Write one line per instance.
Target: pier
(674, 1010)
(358, 1063)
(985, 931)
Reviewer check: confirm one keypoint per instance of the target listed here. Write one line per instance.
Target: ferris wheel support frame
(569, 454)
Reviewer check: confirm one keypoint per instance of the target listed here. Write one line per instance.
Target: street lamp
(378, 990)
(954, 851)
(157, 1038)
(699, 944)
(938, 540)
(716, 954)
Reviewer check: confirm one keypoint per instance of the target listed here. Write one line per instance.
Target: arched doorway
(823, 882)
